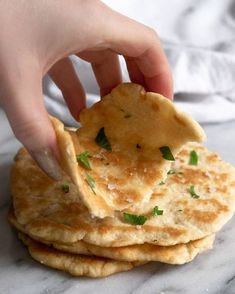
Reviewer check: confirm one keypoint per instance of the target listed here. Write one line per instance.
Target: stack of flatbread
(137, 187)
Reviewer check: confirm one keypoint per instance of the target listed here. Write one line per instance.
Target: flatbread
(177, 254)
(74, 264)
(137, 124)
(47, 212)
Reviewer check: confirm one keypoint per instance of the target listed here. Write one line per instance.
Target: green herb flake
(157, 211)
(161, 183)
(174, 172)
(91, 182)
(171, 172)
(166, 153)
(65, 188)
(102, 140)
(134, 219)
(83, 159)
(192, 192)
(193, 159)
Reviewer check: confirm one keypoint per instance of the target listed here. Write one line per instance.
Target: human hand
(38, 36)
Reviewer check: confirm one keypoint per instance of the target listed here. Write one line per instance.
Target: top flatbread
(49, 213)
(137, 124)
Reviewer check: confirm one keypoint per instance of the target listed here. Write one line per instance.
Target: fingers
(108, 31)
(23, 103)
(154, 67)
(135, 74)
(106, 67)
(65, 77)
(142, 71)
(146, 60)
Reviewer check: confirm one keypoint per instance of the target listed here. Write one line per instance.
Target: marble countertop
(212, 272)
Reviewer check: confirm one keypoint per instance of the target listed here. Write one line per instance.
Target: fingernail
(48, 163)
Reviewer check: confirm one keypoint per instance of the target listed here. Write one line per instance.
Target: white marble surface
(212, 272)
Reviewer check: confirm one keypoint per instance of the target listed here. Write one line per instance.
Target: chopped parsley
(157, 211)
(193, 160)
(65, 188)
(161, 183)
(134, 219)
(102, 140)
(83, 159)
(173, 172)
(166, 153)
(91, 182)
(192, 192)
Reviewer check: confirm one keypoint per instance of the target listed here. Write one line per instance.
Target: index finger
(146, 61)
(154, 72)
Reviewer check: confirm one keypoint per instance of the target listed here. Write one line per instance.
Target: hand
(38, 36)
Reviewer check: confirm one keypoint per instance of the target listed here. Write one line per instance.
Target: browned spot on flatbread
(117, 158)
(181, 203)
(148, 171)
(151, 229)
(127, 196)
(182, 153)
(223, 177)
(206, 211)
(190, 176)
(157, 195)
(223, 189)
(220, 178)
(117, 181)
(35, 177)
(155, 107)
(232, 184)
(204, 217)
(212, 157)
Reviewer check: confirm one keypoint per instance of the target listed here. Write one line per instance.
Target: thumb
(22, 101)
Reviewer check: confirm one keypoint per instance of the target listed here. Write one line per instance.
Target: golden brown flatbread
(48, 212)
(123, 138)
(176, 254)
(74, 264)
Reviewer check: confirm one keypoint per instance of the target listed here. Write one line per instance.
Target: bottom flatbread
(74, 264)
(177, 254)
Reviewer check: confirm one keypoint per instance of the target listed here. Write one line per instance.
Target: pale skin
(36, 38)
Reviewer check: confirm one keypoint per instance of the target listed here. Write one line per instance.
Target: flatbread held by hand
(124, 148)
